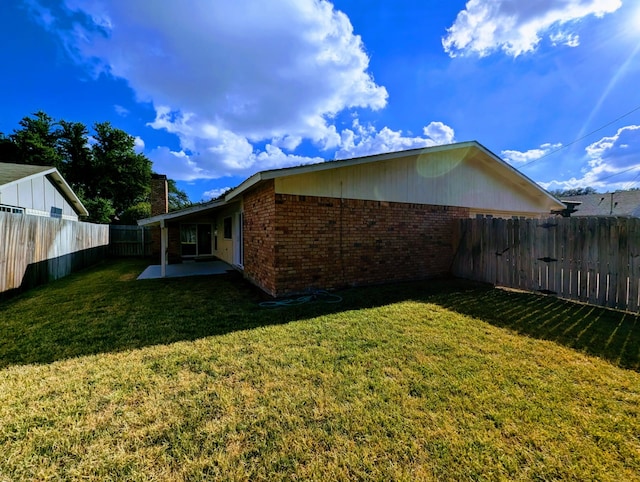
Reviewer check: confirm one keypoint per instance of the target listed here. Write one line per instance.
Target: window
(56, 212)
(188, 239)
(227, 228)
(195, 239)
(10, 209)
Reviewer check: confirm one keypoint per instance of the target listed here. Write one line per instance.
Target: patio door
(195, 239)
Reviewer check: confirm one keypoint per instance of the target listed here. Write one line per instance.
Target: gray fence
(35, 250)
(129, 241)
(595, 260)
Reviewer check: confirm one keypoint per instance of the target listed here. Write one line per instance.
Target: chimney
(159, 194)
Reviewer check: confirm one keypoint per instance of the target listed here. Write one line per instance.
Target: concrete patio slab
(187, 269)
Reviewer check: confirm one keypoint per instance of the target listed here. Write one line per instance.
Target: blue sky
(217, 90)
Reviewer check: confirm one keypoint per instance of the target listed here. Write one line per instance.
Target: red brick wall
(159, 198)
(159, 194)
(331, 243)
(259, 236)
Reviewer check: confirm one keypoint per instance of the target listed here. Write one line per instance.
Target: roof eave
(326, 165)
(276, 173)
(74, 200)
(540, 190)
(157, 219)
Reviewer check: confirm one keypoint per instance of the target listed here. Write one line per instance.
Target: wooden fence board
(634, 264)
(597, 259)
(622, 268)
(592, 275)
(35, 249)
(129, 240)
(564, 266)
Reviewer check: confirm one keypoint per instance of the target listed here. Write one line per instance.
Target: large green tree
(120, 174)
(73, 145)
(8, 150)
(108, 175)
(37, 141)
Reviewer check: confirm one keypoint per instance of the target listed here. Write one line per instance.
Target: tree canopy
(111, 179)
(578, 191)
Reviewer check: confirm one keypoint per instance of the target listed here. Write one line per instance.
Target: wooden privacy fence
(34, 249)
(594, 260)
(129, 240)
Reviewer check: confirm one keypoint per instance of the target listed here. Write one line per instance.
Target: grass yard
(106, 378)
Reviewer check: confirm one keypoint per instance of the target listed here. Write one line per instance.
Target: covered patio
(192, 268)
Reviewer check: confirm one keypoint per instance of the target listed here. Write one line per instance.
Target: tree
(120, 174)
(578, 191)
(100, 210)
(109, 177)
(77, 160)
(37, 142)
(131, 215)
(178, 199)
(8, 150)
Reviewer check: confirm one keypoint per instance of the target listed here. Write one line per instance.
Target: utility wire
(618, 173)
(581, 138)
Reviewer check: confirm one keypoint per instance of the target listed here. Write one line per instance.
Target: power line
(618, 173)
(581, 138)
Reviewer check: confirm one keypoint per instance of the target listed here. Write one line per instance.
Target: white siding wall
(450, 178)
(37, 195)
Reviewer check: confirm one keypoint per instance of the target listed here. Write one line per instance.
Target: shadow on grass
(104, 309)
(608, 334)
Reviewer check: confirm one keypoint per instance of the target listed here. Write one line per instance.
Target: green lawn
(106, 378)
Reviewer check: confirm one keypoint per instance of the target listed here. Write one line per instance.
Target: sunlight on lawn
(417, 382)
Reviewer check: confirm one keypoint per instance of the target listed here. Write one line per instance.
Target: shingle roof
(621, 203)
(14, 172)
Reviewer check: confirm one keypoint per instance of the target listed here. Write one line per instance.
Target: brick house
(374, 219)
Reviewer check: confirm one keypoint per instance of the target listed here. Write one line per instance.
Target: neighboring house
(621, 203)
(375, 219)
(37, 191)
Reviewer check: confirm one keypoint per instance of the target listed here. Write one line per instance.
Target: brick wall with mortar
(258, 236)
(332, 243)
(159, 200)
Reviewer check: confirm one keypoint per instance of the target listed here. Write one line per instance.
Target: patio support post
(164, 248)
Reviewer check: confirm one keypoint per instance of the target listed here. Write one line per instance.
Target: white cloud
(214, 193)
(564, 38)
(613, 163)
(517, 26)
(366, 140)
(520, 157)
(223, 76)
(189, 166)
(138, 144)
(439, 133)
(121, 111)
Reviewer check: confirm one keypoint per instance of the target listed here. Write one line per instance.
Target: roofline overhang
(326, 165)
(522, 176)
(66, 189)
(60, 183)
(322, 166)
(160, 218)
